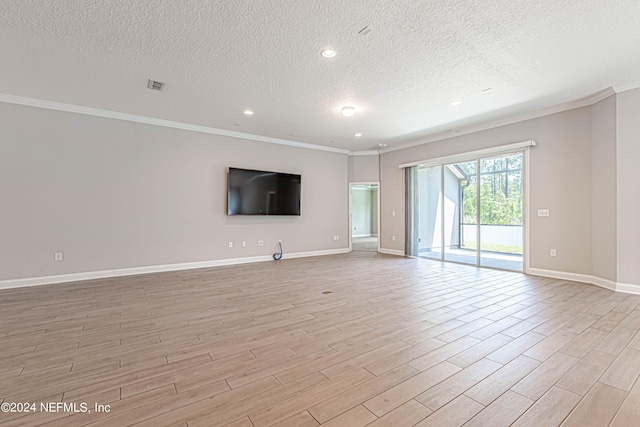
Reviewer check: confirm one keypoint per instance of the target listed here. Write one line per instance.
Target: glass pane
(429, 212)
(460, 224)
(501, 212)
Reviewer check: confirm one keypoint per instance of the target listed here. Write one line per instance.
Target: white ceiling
(219, 57)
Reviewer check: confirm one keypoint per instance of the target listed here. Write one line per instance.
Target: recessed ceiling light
(487, 90)
(328, 53)
(358, 135)
(455, 102)
(348, 111)
(248, 112)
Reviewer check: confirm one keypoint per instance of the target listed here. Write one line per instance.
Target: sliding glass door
(468, 212)
(429, 205)
(460, 194)
(501, 212)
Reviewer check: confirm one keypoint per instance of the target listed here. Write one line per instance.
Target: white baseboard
(74, 277)
(627, 288)
(391, 251)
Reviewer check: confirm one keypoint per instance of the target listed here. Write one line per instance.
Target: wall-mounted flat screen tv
(253, 192)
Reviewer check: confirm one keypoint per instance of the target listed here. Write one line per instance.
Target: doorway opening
(364, 218)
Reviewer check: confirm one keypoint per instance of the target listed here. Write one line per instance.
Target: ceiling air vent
(154, 85)
(366, 30)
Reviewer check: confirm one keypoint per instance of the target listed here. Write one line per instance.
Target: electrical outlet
(393, 213)
(230, 244)
(552, 252)
(244, 244)
(58, 256)
(260, 242)
(543, 212)
(338, 237)
(393, 238)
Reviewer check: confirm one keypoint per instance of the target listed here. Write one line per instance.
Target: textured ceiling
(219, 57)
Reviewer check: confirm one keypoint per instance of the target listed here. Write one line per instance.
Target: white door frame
(351, 184)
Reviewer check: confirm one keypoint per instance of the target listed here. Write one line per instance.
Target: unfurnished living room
(302, 213)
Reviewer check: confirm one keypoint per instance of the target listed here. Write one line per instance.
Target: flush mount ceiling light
(247, 113)
(328, 53)
(455, 102)
(357, 135)
(348, 111)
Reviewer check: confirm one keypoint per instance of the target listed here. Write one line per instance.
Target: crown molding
(626, 87)
(582, 102)
(69, 108)
(364, 153)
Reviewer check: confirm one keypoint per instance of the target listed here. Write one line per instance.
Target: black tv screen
(252, 192)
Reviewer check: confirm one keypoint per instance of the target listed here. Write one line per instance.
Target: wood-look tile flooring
(397, 341)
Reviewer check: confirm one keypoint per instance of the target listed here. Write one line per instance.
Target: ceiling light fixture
(328, 53)
(455, 102)
(248, 113)
(348, 111)
(357, 135)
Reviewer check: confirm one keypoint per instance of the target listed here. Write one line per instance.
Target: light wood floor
(397, 342)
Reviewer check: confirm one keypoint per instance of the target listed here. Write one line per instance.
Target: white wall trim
(391, 252)
(626, 87)
(627, 288)
(526, 217)
(574, 277)
(58, 106)
(500, 149)
(364, 153)
(582, 102)
(90, 275)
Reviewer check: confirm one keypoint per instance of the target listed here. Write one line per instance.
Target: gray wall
(561, 181)
(363, 168)
(603, 189)
(628, 186)
(112, 194)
